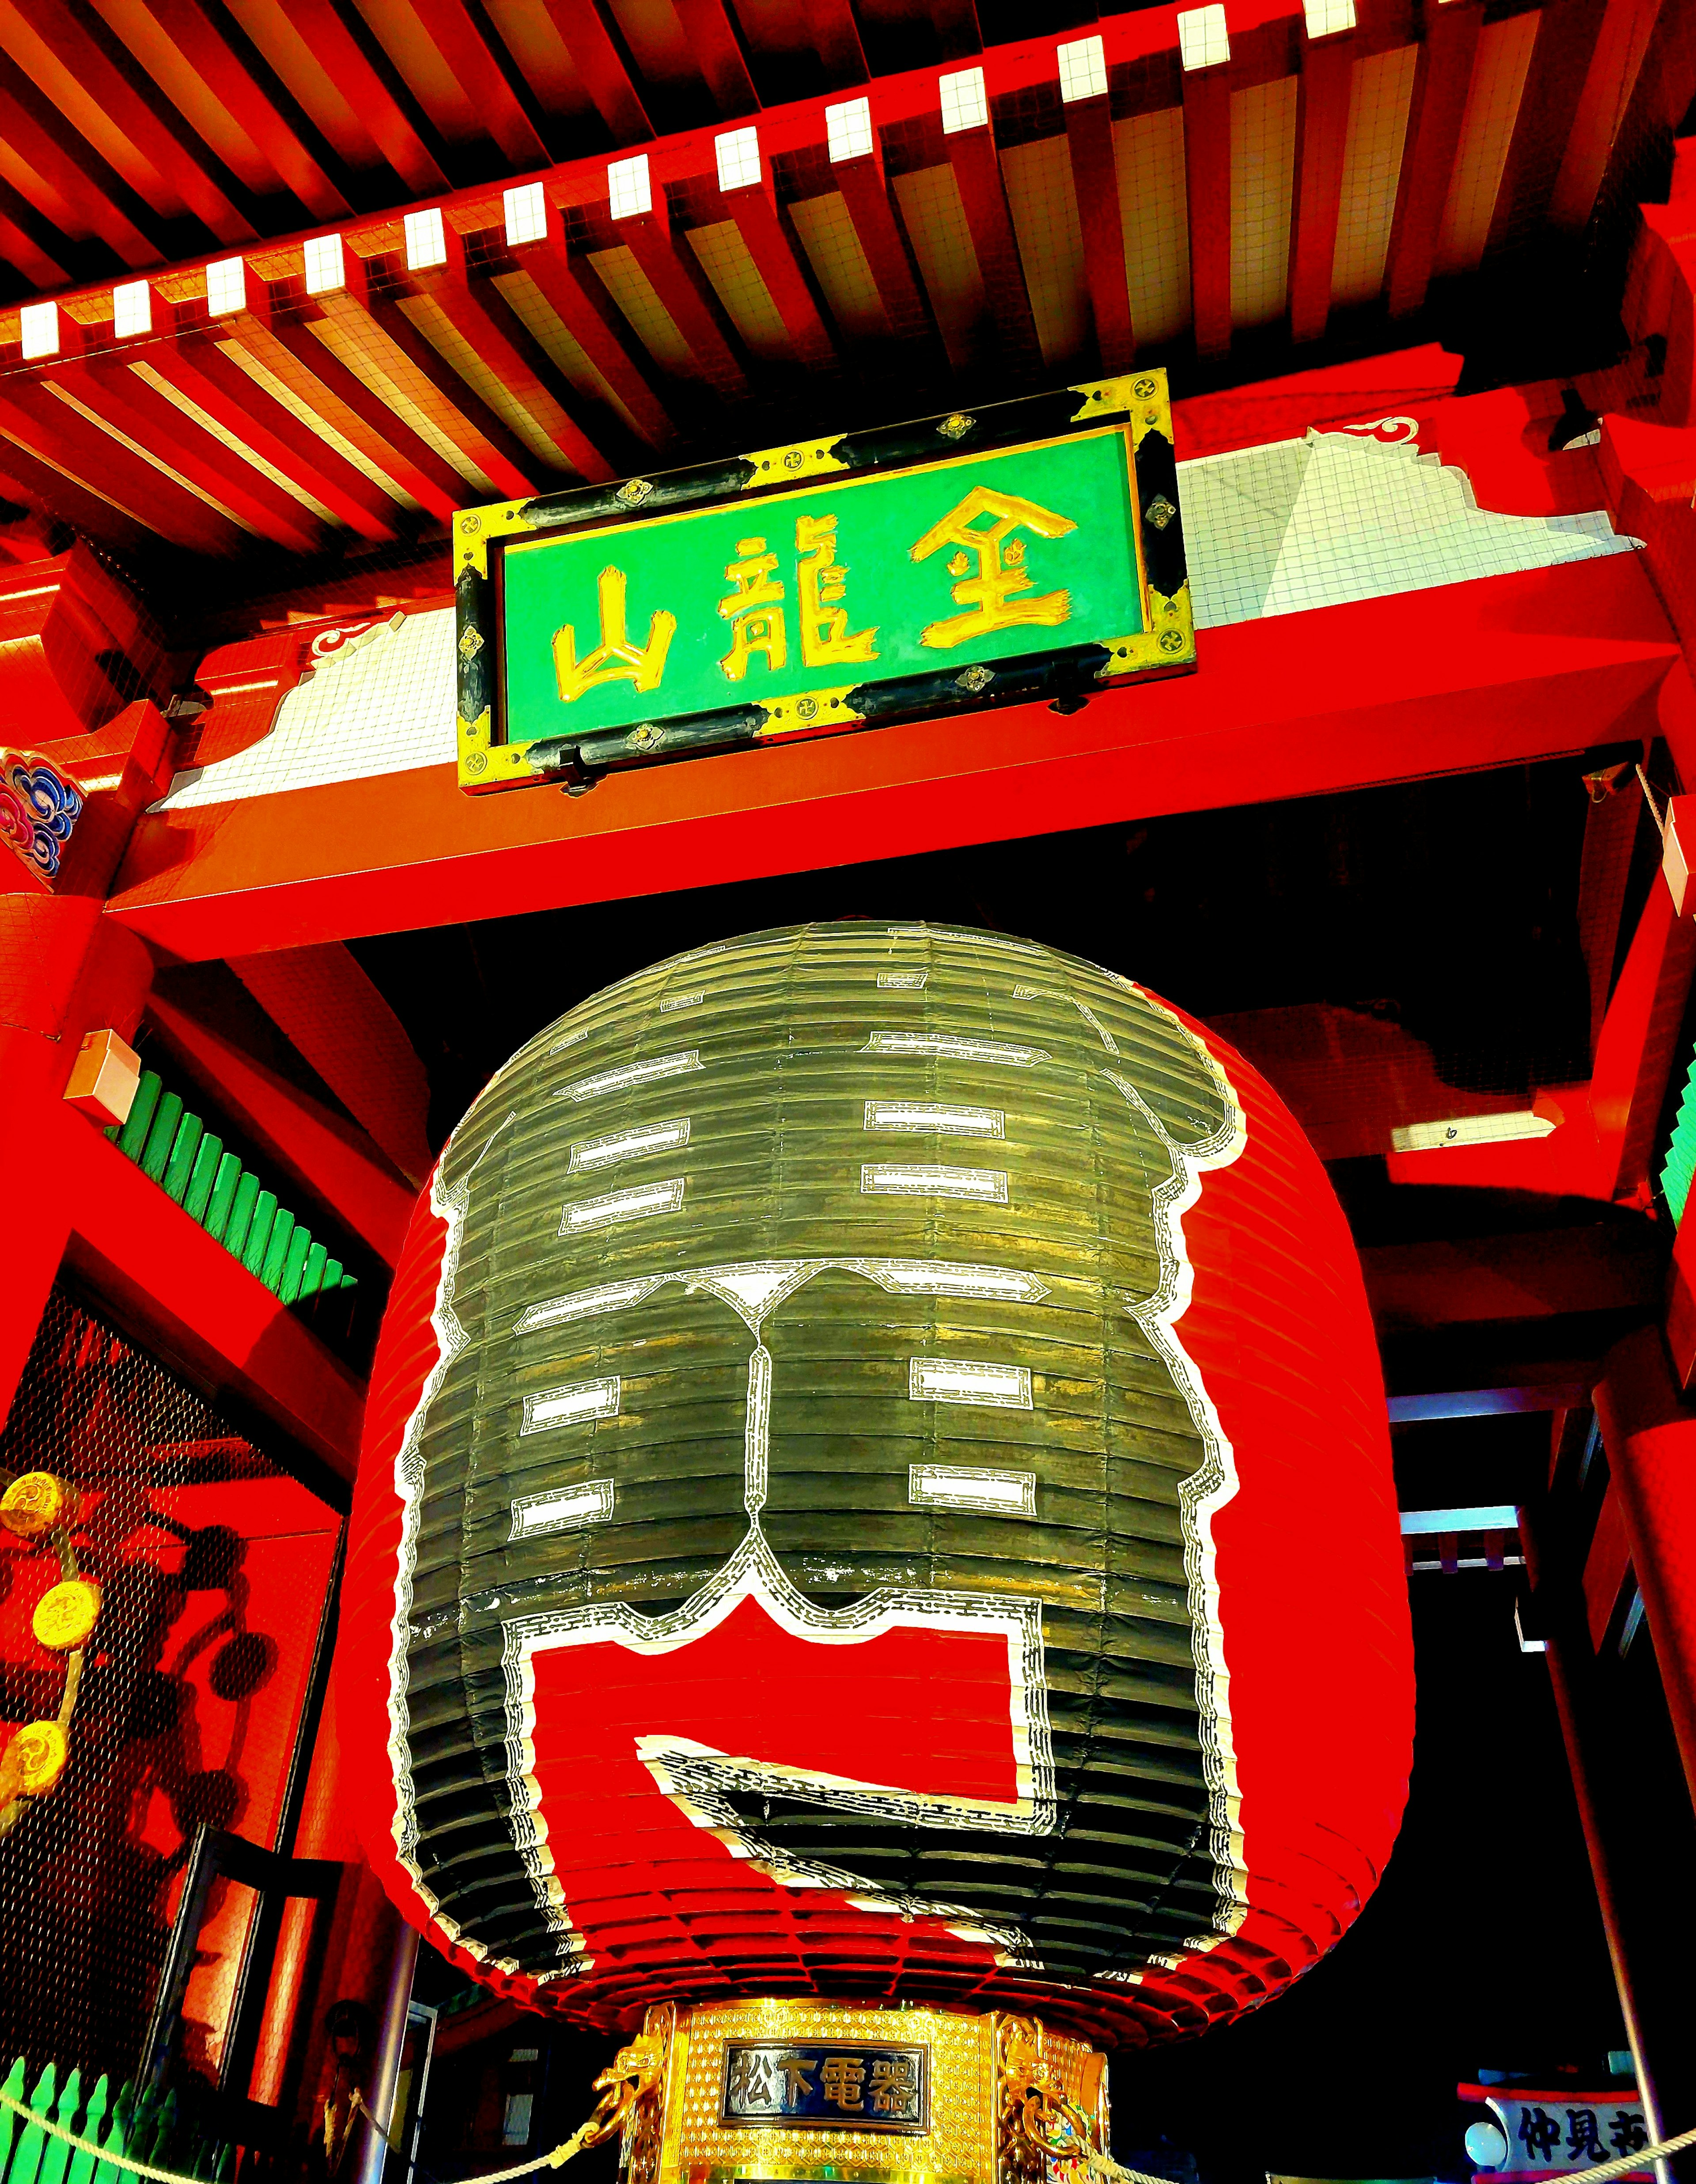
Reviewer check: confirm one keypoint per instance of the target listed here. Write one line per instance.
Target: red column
(1649, 1433)
(367, 1958)
(63, 971)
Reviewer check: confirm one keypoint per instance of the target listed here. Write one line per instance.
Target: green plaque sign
(867, 593)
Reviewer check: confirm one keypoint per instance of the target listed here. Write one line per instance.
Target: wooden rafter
(516, 349)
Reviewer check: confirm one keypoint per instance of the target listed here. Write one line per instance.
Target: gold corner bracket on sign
(474, 529)
(1168, 642)
(804, 459)
(482, 764)
(1142, 396)
(811, 713)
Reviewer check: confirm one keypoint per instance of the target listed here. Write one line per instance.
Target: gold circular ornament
(35, 1504)
(40, 1749)
(1171, 640)
(65, 1614)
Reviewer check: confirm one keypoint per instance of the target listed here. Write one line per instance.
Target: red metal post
(1649, 1433)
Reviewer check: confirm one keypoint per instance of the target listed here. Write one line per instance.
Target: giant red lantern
(876, 1490)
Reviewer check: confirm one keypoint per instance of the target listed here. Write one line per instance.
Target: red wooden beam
(482, 316)
(70, 65)
(1095, 181)
(1322, 131)
(54, 495)
(189, 38)
(196, 1306)
(607, 79)
(63, 178)
(1557, 659)
(380, 114)
(287, 346)
(1630, 62)
(27, 241)
(959, 34)
(978, 170)
(448, 26)
(118, 399)
(217, 384)
(835, 38)
(1443, 78)
(342, 1026)
(463, 416)
(718, 55)
(682, 288)
(1566, 41)
(57, 435)
(1602, 1143)
(865, 192)
(1465, 1280)
(315, 1148)
(754, 207)
(1207, 174)
(575, 295)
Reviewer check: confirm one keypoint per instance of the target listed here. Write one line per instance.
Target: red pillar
(64, 971)
(367, 1958)
(1649, 1433)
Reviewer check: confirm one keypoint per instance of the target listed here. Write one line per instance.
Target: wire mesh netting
(212, 1568)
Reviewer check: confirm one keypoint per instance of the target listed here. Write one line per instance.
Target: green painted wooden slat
(253, 1250)
(13, 2090)
(81, 2168)
(181, 1165)
(134, 1135)
(27, 2159)
(277, 1249)
(218, 1207)
(202, 1176)
(164, 2132)
(294, 1266)
(192, 1166)
(57, 2153)
(117, 2139)
(235, 1236)
(1680, 1166)
(156, 2150)
(162, 1136)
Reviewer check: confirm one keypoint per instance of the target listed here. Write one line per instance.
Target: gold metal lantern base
(851, 2093)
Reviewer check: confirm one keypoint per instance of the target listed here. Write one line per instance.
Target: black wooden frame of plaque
(1064, 677)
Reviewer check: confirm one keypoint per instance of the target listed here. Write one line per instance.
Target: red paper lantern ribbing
(876, 1484)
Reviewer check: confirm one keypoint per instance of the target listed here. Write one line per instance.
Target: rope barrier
(1100, 2165)
(555, 2158)
(1109, 2171)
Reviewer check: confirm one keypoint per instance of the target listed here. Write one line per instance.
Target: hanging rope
(1109, 2171)
(618, 2098)
(586, 2135)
